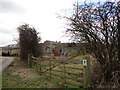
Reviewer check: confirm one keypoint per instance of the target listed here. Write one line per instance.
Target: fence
(72, 73)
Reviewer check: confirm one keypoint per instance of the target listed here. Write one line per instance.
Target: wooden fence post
(64, 73)
(40, 68)
(87, 71)
(50, 68)
(29, 60)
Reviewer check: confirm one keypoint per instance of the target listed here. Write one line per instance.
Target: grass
(20, 76)
(12, 80)
(59, 70)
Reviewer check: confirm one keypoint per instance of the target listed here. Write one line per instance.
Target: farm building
(49, 47)
(11, 50)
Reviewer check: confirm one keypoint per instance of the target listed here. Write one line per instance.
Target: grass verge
(18, 75)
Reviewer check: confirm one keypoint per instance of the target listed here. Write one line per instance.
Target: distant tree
(29, 41)
(73, 44)
(3, 54)
(8, 54)
(99, 25)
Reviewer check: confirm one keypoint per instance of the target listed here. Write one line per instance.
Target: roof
(11, 46)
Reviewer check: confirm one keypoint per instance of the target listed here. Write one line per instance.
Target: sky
(41, 14)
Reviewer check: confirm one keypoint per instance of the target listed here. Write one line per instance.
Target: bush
(29, 41)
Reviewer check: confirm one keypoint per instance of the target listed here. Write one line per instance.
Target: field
(50, 72)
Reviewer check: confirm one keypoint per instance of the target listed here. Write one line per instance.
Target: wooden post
(50, 68)
(37, 66)
(64, 73)
(87, 72)
(40, 68)
(29, 60)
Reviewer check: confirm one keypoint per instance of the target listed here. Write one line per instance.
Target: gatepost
(87, 71)
(29, 60)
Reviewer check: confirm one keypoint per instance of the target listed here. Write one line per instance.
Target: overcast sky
(42, 14)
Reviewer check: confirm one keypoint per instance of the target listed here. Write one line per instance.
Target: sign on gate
(84, 62)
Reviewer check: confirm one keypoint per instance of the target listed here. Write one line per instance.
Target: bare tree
(99, 25)
(118, 27)
(29, 41)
